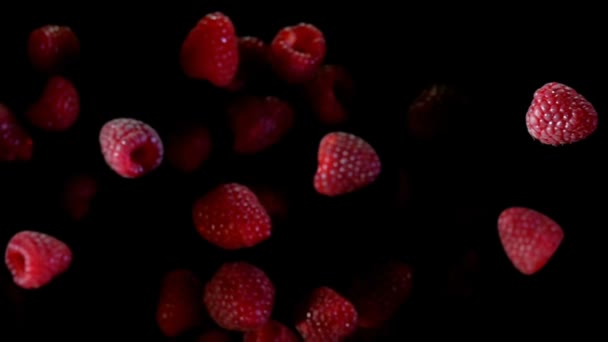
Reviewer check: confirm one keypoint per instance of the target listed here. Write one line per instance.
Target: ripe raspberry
(559, 115)
(296, 52)
(529, 238)
(231, 217)
(35, 259)
(328, 317)
(346, 163)
(189, 147)
(330, 93)
(179, 308)
(210, 51)
(239, 297)
(253, 58)
(15, 141)
(272, 331)
(51, 47)
(258, 123)
(58, 107)
(130, 147)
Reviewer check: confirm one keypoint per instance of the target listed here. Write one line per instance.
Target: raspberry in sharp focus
(529, 238)
(346, 163)
(560, 115)
(296, 52)
(35, 259)
(130, 147)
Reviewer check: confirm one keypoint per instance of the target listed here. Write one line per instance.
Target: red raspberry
(346, 163)
(130, 147)
(179, 308)
(529, 238)
(296, 52)
(15, 141)
(328, 317)
(231, 217)
(253, 57)
(559, 115)
(258, 123)
(210, 50)
(272, 331)
(58, 107)
(35, 259)
(330, 92)
(239, 297)
(189, 147)
(51, 47)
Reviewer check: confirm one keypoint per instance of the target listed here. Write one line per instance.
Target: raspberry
(272, 331)
(15, 141)
(58, 108)
(239, 297)
(210, 50)
(529, 238)
(51, 47)
(296, 52)
(346, 163)
(559, 115)
(330, 94)
(231, 217)
(130, 147)
(258, 123)
(35, 259)
(253, 57)
(328, 317)
(179, 308)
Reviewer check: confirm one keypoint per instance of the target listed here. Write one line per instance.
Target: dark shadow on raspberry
(145, 156)
(17, 260)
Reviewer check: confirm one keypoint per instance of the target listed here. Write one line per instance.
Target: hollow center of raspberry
(17, 262)
(301, 46)
(146, 156)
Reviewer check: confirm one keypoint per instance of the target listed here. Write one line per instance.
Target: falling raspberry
(130, 147)
(346, 163)
(559, 115)
(529, 238)
(35, 258)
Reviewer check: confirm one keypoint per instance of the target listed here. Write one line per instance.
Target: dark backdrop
(458, 185)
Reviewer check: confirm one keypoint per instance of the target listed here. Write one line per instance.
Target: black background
(458, 185)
